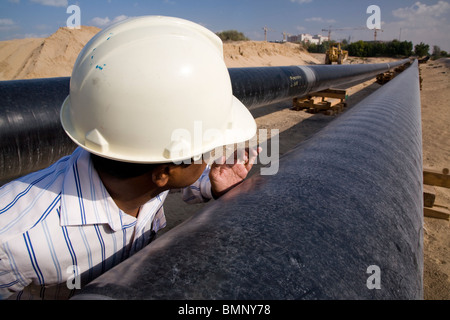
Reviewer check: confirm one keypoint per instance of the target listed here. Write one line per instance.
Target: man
(150, 97)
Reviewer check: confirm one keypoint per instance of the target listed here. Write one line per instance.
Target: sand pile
(263, 54)
(55, 56)
(43, 57)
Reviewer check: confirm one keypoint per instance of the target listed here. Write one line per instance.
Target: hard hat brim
(244, 125)
(243, 128)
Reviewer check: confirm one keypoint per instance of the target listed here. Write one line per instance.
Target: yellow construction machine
(336, 54)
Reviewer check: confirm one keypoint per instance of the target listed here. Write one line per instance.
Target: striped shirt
(60, 229)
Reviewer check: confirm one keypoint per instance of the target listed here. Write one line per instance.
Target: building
(321, 38)
(307, 38)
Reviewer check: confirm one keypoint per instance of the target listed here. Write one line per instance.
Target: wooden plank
(333, 102)
(328, 101)
(436, 178)
(429, 196)
(331, 93)
(437, 212)
(305, 103)
(385, 77)
(323, 105)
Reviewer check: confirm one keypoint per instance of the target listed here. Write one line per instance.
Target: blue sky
(427, 20)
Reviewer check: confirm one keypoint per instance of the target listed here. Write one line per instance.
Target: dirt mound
(43, 57)
(55, 56)
(263, 54)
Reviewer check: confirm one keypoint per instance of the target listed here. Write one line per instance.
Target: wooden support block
(400, 68)
(298, 104)
(304, 103)
(436, 178)
(330, 101)
(429, 196)
(323, 105)
(331, 93)
(333, 102)
(437, 212)
(385, 77)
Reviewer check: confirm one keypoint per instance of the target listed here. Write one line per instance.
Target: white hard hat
(152, 90)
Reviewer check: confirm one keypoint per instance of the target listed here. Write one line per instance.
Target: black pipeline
(265, 85)
(342, 219)
(32, 138)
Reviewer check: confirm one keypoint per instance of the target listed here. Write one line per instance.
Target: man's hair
(125, 170)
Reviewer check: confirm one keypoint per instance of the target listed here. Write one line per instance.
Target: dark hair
(125, 170)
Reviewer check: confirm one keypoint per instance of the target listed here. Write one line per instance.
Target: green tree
(421, 49)
(393, 47)
(379, 49)
(359, 49)
(437, 51)
(406, 48)
(232, 35)
(319, 48)
(312, 47)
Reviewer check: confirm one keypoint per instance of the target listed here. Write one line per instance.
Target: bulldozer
(336, 54)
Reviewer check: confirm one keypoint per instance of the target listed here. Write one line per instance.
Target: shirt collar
(84, 198)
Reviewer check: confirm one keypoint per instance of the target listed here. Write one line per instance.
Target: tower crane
(329, 32)
(266, 30)
(339, 29)
(375, 31)
(285, 36)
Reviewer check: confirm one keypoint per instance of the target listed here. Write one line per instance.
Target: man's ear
(160, 176)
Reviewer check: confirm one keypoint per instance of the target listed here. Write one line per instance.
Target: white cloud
(52, 3)
(104, 22)
(421, 23)
(422, 10)
(319, 19)
(100, 22)
(7, 24)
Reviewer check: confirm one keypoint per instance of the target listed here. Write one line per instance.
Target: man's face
(181, 177)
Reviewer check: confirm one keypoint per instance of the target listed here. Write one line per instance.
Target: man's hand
(225, 175)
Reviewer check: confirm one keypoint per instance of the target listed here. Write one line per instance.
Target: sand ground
(54, 57)
(435, 96)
